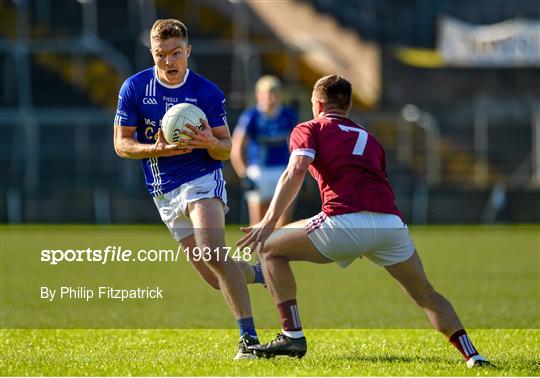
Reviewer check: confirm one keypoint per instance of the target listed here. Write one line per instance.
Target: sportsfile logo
(119, 254)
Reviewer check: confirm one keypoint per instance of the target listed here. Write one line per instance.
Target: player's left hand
(256, 235)
(200, 138)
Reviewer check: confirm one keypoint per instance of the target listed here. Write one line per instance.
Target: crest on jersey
(149, 101)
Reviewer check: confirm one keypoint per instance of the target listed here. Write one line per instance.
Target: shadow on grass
(531, 366)
(389, 358)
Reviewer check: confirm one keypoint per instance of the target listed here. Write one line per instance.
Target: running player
(186, 182)
(262, 134)
(358, 218)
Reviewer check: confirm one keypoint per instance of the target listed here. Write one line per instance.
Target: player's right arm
(127, 117)
(303, 146)
(240, 140)
(127, 146)
(287, 189)
(238, 161)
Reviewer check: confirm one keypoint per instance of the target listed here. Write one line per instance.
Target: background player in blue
(260, 150)
(186, 182)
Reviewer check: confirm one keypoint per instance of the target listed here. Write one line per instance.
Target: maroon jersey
(349, 165)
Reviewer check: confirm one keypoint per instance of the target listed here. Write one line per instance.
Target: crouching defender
(186, 182)
(358, 218)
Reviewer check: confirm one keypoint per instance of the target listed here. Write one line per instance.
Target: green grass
(358, 321)
(210, 352)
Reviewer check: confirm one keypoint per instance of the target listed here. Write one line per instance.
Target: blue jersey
(142, 102)
(268, 136)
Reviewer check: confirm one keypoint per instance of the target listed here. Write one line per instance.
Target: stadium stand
(78, 57)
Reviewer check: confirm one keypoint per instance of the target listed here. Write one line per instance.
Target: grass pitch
(209, 352)
(358, 322)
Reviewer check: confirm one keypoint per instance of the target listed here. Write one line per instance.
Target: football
(174, 120)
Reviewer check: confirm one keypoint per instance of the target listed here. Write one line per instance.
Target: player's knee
(212, 281)
(268, 251)
(210, 278)
(263, 255)
(269, 255)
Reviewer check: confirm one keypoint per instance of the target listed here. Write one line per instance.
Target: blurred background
(450, 87)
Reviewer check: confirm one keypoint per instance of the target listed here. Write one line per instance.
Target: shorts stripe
(217, 184)
(222, 183)
(315, 222)
(156, 185)
(218, 187)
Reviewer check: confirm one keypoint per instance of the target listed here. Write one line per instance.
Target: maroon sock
(290, 319)
(462, 343)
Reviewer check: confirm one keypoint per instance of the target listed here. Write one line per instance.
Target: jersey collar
(171, 86)
(332, 115)
(275, 115)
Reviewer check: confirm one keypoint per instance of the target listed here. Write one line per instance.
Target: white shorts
(382, 238)
(173, 205)
(266, 179)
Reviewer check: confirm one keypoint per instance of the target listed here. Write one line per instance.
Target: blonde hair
(169, 28)
(268, 83)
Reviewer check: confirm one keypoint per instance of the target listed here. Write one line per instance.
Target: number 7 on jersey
(361, 142)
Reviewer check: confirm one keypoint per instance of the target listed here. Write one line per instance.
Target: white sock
(293, 334)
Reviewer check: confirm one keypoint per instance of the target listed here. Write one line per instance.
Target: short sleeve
(303, 141)
(126, 111)
(216, 110)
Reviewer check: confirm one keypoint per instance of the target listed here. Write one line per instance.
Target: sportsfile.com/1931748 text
(115, 254)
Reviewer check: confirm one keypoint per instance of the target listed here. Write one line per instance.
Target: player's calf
(252, 273)
(291, 341)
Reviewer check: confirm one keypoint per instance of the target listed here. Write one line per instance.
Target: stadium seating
(74, 146)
